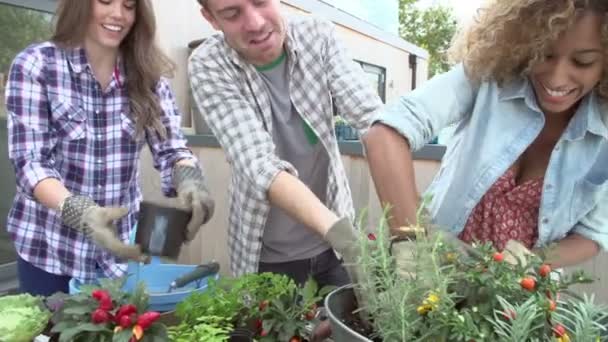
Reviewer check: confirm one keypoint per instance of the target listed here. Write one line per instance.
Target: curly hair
(508, 37)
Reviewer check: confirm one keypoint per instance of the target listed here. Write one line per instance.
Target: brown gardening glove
(83, 214)
(193, 194)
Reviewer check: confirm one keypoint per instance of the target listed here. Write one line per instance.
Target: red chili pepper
(125, 321)
(544, 270)
(126, 310)
(146, 319)
(559, 330)
(100, 295)
(528, 283)
(498, 257)
(371, 237)
(106, 304)
(100, 316)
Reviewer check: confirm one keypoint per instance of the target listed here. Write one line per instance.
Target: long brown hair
(509, 36)
(144, 62)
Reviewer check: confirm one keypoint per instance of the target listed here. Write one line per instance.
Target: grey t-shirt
(284, 238)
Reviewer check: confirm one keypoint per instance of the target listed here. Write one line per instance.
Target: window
(377, 77)
(21, 25)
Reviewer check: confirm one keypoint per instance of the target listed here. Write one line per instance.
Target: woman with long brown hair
(529, 157)
(80, 109)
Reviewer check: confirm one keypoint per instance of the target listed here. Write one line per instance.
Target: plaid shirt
(62, 125)
(234, 99)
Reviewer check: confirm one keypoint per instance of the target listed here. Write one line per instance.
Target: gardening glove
(192, 193)
(342, 236)
(83, 214)
(515, 253)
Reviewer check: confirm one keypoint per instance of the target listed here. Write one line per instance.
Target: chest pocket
(128, 129)
(70, 120)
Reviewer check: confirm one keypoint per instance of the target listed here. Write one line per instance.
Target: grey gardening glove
(342, 236)
(83, 214)
(193, 194)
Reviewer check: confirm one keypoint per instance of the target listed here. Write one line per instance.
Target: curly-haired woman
(80, 109)
(529, 157)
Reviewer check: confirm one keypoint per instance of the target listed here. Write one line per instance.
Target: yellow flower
(451, 257)
(432, 299)
(424, 309)
(565, 338)
(428, 304)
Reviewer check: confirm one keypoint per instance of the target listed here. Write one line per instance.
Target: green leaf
(64, 325)
(93, 327)
(309, 291)
(78, 310)
(122, 336)
(69, 335)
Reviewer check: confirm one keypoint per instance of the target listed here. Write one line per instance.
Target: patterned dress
(508, 211)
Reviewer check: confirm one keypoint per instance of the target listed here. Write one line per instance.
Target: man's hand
(342, 236)
(83, 214)
(192, 193)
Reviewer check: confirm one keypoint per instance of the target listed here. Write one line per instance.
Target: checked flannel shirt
(62, 125)
(233, 98)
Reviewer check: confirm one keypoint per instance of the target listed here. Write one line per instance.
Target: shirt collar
(77, 58)
(588, 116)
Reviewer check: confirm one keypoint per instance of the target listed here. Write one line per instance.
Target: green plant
(207, 329)
(287, 316)
(270, 305)
(451, 295)
(106, 313)
(23, 317)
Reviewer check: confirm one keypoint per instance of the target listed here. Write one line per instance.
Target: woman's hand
(193, 194)
(97, 223)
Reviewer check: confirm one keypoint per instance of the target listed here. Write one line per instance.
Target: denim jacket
(494, 126)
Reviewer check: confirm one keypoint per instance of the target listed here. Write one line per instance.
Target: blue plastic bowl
(157, 278)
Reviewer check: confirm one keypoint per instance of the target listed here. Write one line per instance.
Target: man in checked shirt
(266, 87)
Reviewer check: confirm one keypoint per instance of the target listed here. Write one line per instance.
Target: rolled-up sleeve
(594, 226)
(30, 138)
(439, 102)
(248, 146)
(166, 152)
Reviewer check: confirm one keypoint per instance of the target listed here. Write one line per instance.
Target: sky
(384, 13)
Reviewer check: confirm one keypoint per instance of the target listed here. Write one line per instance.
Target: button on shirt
(233, 97)
(62, 125)
(494, 126)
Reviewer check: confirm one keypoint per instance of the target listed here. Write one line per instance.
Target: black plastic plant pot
(241, 335)
(161, 231)
(340, 304)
